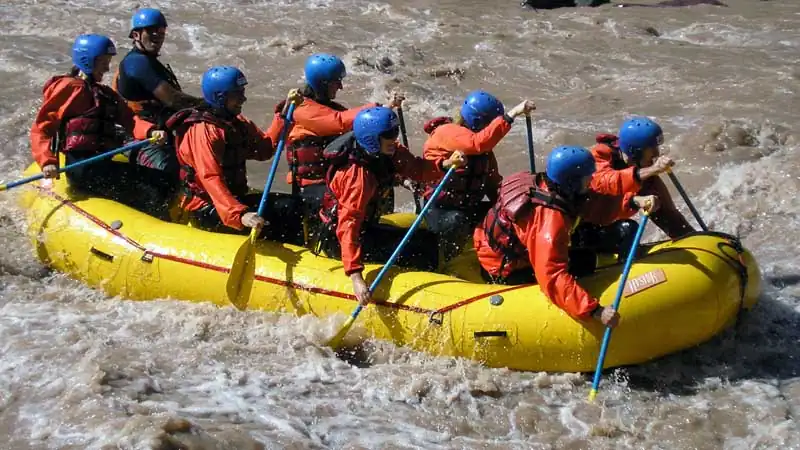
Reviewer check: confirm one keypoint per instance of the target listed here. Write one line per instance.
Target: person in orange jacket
(79, 116)
(214, 142)
(525, 236)
(318, 121)
(150, 87)
(477, 128)
(631, 163)
(363, 163)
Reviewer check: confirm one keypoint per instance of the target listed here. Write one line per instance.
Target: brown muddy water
(80, 370)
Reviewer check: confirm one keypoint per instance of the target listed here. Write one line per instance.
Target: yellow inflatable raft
(679, 294)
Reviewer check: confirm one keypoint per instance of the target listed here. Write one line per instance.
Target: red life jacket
(519, 194)
(95, 130)
(466, 187)
(435, 123)
(612, 141)
(305, 156)
(234, 168)
(340, 155)
(607, 139)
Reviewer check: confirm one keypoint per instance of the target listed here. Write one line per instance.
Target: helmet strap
(322, 97)
(222, 113)
(637, 161)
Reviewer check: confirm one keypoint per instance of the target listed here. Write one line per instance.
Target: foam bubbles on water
(718, 34)
(80, 369)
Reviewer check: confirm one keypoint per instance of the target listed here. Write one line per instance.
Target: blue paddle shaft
(410, 231)
(397, 251)
(275, 160)
(620, 289)
(131, 146)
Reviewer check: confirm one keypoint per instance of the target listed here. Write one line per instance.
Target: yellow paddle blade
(592, 395)
(336, 341)
(243, 272)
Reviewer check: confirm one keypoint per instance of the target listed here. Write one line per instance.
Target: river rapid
(80, 370)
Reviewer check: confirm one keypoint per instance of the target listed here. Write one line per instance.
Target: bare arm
(174, 98)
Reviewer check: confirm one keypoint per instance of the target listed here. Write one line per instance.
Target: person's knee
(582, 262)
(625, 232)
(626, 228)
(445, 221)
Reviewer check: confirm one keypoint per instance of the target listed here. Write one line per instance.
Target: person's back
(480, 124)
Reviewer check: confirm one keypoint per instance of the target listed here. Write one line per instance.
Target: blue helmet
(568, 165)
(219, 81)
(321, 69)
(87, 47)
(480, 108)
(373, 123)
(147, 17)
(637, 134)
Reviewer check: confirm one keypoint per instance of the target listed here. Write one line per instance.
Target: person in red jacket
(525, 236)
(478, 127)
(317, 122)
(364, 163)
(630, 165)
(214, 142)
(79, 116)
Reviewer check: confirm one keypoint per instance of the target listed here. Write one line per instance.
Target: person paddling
(480, 124)
(525, 236)
(79, 116)
(318, 121)
(629, 165)
(151, 87)
(363, 164)
(214, 143)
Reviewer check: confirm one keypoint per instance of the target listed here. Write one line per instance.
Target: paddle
(529, 127)
(108, 154)
(685, 196)
(337, 339)
(404, 135)
(240, 278)
(607, 336)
